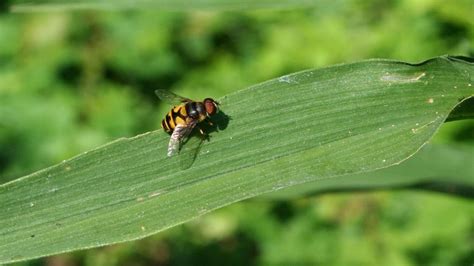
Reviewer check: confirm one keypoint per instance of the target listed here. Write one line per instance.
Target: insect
(185, 115)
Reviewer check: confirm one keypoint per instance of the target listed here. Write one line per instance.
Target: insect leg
(204, 135)
(209, 121)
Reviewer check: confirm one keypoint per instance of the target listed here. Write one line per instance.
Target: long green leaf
(441, 168)
(465, 110)
(178, 5)
(298, 128)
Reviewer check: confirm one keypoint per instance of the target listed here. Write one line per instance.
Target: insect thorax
(196, 110)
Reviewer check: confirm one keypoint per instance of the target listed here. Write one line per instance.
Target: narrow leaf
(435, 167)
(169, 5)
(298, 128)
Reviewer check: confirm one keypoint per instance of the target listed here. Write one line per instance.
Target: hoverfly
(184, 117)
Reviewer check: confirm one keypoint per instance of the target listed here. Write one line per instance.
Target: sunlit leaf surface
(294, 129)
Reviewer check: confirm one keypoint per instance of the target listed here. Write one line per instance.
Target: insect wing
(180, 134)
(171, 98)
(190, 150)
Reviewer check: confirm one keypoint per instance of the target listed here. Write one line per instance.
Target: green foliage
(435, 167)
(173, 5)
(283, 132)
(70, 82)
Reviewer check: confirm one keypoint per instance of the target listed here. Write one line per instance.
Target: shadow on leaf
(191, 147)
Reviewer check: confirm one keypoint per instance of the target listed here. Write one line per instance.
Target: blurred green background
(71, 81)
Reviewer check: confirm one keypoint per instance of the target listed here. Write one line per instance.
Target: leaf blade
(301, 127)
(434, 164)
(167, 5)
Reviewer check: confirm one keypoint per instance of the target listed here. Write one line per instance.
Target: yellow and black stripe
(177, 115)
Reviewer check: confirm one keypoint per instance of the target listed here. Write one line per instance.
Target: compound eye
(211, 106)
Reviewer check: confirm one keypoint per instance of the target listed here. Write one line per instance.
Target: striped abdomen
(176, 116)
